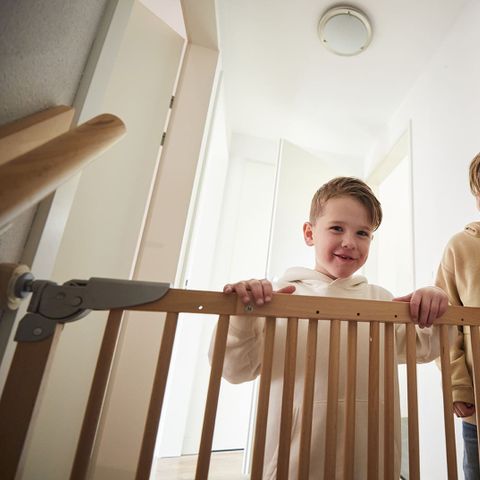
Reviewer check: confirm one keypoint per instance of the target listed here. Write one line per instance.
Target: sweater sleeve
(427, 343)
(243, 356)
(462, 386)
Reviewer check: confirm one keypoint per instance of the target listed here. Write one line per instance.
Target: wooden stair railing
(379, 314)
(39, 152)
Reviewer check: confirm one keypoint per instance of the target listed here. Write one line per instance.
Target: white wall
(443, 109)
(101, 235)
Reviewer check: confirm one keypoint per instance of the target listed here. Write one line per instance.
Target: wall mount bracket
(51, 303)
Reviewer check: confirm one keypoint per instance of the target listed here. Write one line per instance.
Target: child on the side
(459, 276)
(344, 214)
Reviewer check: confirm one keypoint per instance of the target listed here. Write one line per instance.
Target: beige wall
(101, 236)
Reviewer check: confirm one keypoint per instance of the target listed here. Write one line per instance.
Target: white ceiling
(281, 83)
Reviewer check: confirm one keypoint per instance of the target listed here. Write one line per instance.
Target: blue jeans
(470, 452)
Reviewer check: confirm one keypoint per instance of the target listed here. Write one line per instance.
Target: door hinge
(162, 141)
(171, 101)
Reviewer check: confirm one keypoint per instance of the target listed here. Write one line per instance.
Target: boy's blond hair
(347, 187)
(474, 175)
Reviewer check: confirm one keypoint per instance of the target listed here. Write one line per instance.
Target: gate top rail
(300, 306)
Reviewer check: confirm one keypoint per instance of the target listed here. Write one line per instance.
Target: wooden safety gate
(30, 360)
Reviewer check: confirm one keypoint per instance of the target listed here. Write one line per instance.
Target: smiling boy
(343, 216)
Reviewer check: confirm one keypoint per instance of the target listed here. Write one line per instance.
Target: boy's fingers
(261, 290)
(415, 309)
(258, 291)
(267, 290)
(256, 288)
(241, 290)
(443, 306)
(287, 289)
(433, 314)
(414, 305)
(424, 312)
(426, 305)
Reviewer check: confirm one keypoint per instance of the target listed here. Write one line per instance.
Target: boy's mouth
(343, 257)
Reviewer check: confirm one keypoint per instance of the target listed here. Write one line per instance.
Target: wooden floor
(223, 466)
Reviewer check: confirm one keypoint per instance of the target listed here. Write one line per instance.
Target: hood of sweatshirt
(473, 229)
(307, 275)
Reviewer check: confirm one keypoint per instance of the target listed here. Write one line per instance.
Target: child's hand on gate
(260, 291)
(426, 305)
(463, 409)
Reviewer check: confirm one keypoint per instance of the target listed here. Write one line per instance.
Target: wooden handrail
(25, 134)
(30, 177)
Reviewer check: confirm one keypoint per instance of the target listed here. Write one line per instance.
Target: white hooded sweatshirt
(243, 363)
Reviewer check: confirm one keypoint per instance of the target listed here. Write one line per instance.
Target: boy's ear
(308, 233)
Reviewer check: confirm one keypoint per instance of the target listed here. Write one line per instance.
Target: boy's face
(341, 237)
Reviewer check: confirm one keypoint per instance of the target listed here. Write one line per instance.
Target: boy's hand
(426, 305)
(260, 291)
(463, 409)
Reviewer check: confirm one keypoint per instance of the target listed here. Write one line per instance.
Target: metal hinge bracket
(51, 303)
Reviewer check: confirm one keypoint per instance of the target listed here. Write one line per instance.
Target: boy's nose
(348, 242)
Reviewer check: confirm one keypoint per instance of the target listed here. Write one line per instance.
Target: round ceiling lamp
(345, 30)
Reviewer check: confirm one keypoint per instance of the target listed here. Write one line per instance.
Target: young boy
(458, 276)
(344, 214)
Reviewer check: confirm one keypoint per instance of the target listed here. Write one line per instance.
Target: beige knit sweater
(459, 276)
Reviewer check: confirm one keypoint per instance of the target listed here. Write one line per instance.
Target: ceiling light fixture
(345, 30)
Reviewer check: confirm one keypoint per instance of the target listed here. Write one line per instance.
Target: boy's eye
(363, 233)
(336, 228)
